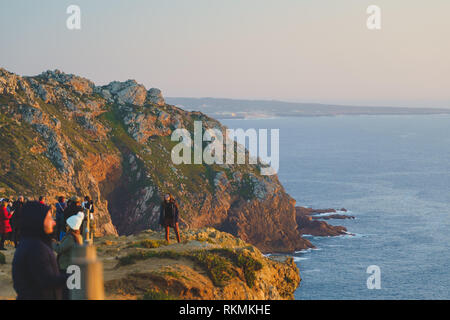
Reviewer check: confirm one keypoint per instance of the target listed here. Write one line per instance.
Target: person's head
(4, 202)
(75, 221)
(37, 220)
(21, 199)
(75, 200)
(61, 199)
(41, 199)
(167, 197)
(87, 199)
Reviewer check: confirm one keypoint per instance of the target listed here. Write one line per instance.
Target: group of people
(36, 271)
(65, 210)
(11, 216)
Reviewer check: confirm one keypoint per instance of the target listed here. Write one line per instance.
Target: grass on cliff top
(148, 244)
(157, 295)
(219, 269)
(247, 263)
(219, 264)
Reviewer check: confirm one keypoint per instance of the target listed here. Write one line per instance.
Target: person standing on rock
(16, 219)
(60, 221)
(35, 272)
(5, 226)
(169, 216)
(64, 248)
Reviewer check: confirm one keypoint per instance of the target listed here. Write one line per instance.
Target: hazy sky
(295, 50)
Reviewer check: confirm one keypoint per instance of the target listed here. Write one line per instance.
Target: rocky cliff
(62, 134)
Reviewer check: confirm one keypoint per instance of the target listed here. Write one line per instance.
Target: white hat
(75, 221)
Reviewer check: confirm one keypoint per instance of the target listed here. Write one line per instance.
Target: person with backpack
(5, 226)
(169, 216)
(60, 222)
(35, 272)
(16, 219)
(64, 249)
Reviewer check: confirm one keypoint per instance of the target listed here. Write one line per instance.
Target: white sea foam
(297, 259)
(325, 214)
(303, 250)
(310, 271)
(350, 235)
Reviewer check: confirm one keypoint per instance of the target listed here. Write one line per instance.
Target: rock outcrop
(309, 224)
(208, 264)
(62, 134)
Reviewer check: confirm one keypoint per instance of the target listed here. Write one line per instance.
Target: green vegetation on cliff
(60, 134)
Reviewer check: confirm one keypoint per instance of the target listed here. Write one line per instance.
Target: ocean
(393, 174)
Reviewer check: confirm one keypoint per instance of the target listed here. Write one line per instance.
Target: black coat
(168, 209)
(60, 221)
(35, 271)
(17, 217)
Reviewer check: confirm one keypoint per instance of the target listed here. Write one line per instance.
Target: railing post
(87, 230)
(91, 272)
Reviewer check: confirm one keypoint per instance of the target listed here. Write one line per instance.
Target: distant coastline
(263, 109)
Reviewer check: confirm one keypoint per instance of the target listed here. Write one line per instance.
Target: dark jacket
(60, 221)
(17, 217)
(35, 271)
(168, 214)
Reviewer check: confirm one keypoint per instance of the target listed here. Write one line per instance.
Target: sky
(291, 50)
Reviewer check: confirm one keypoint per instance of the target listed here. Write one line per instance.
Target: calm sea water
(393, 174)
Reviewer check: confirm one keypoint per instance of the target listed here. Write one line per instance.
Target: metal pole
(92, 287)
(87, 235)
